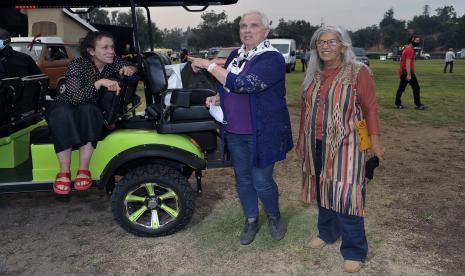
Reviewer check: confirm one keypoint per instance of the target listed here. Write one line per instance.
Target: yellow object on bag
(364, 140)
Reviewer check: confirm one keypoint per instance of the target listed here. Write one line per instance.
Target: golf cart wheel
(153, 200)
(61, 87)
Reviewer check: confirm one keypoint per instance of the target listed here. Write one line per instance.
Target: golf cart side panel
(150, 154)
(45, 163)
(14, 149)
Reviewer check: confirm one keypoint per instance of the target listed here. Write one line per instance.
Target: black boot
(249, 231)
(276, 227)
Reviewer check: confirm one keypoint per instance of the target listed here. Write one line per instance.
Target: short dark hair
(90, 40)
(4, 34)
(412, 38)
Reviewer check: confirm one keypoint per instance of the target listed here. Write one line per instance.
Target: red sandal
(82, 183)
(62, 187)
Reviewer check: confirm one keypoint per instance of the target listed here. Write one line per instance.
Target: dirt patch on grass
(415, 223)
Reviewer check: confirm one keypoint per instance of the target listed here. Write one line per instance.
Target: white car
(286, 46)
(424, 55)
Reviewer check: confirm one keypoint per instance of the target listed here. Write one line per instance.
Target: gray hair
(315, 64)
(263, 17)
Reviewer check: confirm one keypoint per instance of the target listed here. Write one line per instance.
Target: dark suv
(52, 56)
(361, 55)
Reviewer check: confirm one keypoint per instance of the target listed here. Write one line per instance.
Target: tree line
(441, 30)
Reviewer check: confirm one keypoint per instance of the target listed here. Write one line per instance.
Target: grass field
(444, 94)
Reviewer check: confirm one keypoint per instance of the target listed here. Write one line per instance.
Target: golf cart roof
(109, 3)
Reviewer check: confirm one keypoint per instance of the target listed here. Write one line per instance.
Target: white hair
(315, 64)
(263, 17)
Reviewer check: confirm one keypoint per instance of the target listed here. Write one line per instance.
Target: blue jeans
(332, 225)
(252, 183)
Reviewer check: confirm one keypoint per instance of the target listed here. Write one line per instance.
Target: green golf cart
(144, 162)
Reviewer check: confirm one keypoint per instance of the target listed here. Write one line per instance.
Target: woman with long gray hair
(338, 101)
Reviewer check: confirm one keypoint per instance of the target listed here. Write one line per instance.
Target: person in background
(449, 60)
(184, 56)
(14, 63)
(408, 75)
(338, 92)
(74, 118)
(258, 131)
(127, 54)
(307, 56)
(303, 59)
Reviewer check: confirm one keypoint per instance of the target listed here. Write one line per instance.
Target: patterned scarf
(242, 57)
(342, 180)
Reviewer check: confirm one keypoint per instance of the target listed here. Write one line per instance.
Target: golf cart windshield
(109, 3)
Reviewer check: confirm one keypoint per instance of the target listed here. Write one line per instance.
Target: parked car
(223, 54)
(286, 47)
(52, 56)
(423, 55)
(212, 52)
(393, 56)
(361, 55)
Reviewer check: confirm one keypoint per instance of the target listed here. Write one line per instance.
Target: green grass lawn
(444, 94)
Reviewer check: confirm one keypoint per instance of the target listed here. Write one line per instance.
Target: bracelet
(211, 67)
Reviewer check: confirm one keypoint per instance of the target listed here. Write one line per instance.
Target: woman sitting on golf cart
(74, 119)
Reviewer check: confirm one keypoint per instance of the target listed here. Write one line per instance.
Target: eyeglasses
(329, 42)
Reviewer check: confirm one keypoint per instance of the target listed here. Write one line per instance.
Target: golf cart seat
(116, 107)
(22, 102)
(178, 110)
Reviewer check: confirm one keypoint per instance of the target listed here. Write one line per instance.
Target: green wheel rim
(151, 206)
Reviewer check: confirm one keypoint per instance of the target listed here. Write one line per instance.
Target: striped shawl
(342, 180)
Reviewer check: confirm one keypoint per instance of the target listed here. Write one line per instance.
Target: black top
(81, 76)
(111, 3)
(16, 64)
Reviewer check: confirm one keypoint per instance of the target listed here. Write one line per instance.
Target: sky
(351, 14)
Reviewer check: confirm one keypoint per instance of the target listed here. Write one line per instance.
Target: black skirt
(74, 126)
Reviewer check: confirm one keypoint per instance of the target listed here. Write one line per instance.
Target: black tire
(161, 210)
(61, 87)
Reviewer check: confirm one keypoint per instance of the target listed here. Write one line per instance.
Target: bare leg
(85, 153)
(83, 180)
(64, 158)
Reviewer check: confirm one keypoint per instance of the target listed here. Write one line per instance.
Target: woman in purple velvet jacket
(258, 130)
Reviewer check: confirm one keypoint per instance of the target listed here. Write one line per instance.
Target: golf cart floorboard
(22, 173)
(19, 179)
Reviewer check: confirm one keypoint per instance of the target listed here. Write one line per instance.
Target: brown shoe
(352, 266)
(317, 243)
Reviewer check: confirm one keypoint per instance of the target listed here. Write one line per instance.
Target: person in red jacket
(407, 74)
